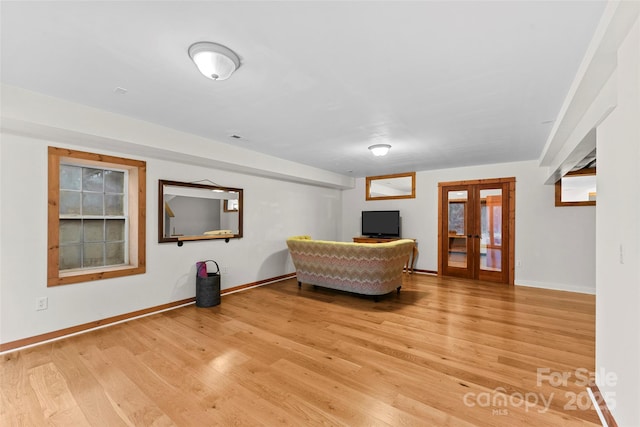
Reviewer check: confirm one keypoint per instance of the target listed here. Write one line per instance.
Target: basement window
(95, 217)
(577, 188)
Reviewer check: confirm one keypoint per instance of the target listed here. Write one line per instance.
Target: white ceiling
(446, 83)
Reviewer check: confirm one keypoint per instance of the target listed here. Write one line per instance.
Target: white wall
(35, 114)
(618, 240)
(273, 210)
(556, 246)
(604, 105)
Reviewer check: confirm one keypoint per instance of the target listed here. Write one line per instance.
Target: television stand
(410, 262)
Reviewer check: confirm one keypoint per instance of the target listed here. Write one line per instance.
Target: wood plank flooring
(445, 352)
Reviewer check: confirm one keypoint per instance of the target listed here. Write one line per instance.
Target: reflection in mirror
(231, 205)
(397, 186)
(188, 211)
(577, 188)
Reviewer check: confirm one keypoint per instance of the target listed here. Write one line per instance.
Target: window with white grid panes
(93, 217)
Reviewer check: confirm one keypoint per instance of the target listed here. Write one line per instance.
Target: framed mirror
(188, 211)
(397, 186)
(577, 188)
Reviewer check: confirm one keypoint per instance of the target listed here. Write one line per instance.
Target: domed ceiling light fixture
(380, 149)
(214, 61)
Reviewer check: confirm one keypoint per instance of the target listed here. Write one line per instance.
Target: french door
(476, 229)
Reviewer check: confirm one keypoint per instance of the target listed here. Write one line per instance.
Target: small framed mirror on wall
(189, 211)
(396, 186)
(577, 188)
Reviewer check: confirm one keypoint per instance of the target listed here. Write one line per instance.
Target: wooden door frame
(511, 211)
(443, 232)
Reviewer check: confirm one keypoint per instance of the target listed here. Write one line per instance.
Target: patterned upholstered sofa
(363, 268)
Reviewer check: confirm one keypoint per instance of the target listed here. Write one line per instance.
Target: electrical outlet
(225, 270)
(42, 303)
(518, 263)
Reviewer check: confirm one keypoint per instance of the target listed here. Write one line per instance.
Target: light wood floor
(443, 352)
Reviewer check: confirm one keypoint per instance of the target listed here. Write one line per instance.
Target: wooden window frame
(137, 214)
(558, 185)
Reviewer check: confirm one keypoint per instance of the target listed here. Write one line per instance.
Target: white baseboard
(557, 286)
(596, 405)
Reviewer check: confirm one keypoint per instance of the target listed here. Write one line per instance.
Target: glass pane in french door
(491, 230)
(457, 223)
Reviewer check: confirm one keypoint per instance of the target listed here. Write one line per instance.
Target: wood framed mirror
(190, 211)
(577, 188)
(396, 186)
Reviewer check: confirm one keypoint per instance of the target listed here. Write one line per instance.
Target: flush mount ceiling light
(380, 149)
(214, 61)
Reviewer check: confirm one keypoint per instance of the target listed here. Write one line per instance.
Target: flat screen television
(381, 223)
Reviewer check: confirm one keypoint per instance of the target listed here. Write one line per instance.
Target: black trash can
(207, 285)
